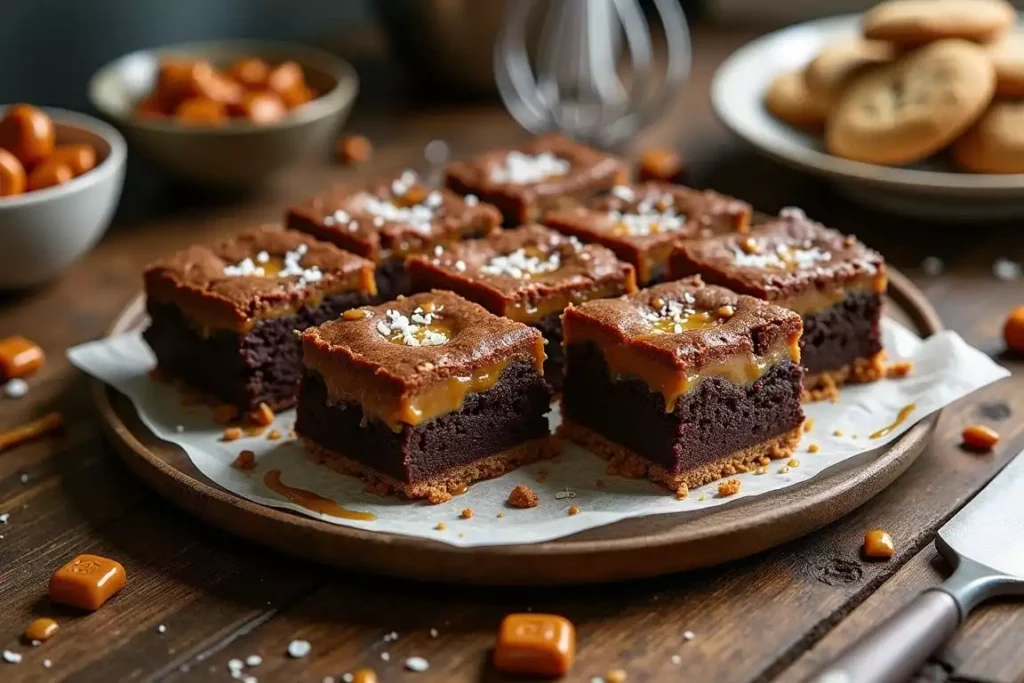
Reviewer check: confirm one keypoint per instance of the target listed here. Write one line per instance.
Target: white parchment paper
(945, 369)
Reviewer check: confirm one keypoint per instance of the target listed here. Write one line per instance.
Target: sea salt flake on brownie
(520, 168)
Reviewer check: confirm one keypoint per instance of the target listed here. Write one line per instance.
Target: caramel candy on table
(878, 544)
(1013, 329)
(251, 72)
(979, 437)
(41, 629)
(49, 173)
(28, 133)
(661, 164)
(261, 107)
(12, 175)
(201, 111)
(19, 357)
(87, 582)
(541, 645)
(80, 158)
(354, 149)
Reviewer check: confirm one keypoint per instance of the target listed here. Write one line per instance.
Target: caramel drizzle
(532, 312)
(312, 501)
(446, 397)
(901, 417)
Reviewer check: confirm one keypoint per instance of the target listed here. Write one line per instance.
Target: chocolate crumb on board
(246, 460)
(523, 496)
(729, 487)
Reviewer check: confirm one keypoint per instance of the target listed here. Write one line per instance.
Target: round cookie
(996, 143)
(905, 111)
(789, 100)
(912, 22)
(1007, 55)
(838, 63)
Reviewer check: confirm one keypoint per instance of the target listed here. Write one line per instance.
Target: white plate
(932, 188)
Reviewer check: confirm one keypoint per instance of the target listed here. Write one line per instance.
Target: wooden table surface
(197, 598)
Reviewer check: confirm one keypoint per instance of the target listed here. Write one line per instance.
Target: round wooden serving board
(634, 548)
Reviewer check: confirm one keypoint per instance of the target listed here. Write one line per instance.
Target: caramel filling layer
(816, 300)
(533, 312)
(626, 363)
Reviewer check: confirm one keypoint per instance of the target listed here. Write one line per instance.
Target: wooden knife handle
(893, 651)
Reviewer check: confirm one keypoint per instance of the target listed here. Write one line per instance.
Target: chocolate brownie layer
(262, 365)
(715, 419)
(836, 337)
(511, 413)
(392, 280)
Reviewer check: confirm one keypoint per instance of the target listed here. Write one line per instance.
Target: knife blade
(984, 544)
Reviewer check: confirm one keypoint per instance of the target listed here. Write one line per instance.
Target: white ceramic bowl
(239, 153)
(932, 189)
(43, 232)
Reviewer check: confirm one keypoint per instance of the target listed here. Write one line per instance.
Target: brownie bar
(541, 173)
(832, 280)
(388, 220)
(424, 395)
(683, 382)
(642, 222)
(262, 365)
(223, 316)
(716, 430)
(530, 275)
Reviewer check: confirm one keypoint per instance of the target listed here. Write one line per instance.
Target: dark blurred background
(50, 48)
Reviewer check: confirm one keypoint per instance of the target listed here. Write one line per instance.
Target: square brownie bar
(424, 395)
(530, 275)
(223, 316)
(641, 223)
(683, 382)
(832, 280)
(525, 182)
(388, 220)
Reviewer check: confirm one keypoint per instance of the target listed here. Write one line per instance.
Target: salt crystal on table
(299, 648)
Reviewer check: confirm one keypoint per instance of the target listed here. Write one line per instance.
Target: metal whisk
(577, 88)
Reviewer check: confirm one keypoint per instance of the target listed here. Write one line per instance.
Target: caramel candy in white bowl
(44, 231)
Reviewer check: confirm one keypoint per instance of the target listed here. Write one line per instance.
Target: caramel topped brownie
(684, 382)
(641, 223)
(832, 280)
(222, 315)
(425, 394)
(524, 182)
(388, 220)
(529, 274)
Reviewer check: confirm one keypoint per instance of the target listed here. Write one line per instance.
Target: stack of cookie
(925, 76)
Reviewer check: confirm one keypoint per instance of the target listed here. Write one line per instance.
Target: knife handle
(893, 651)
